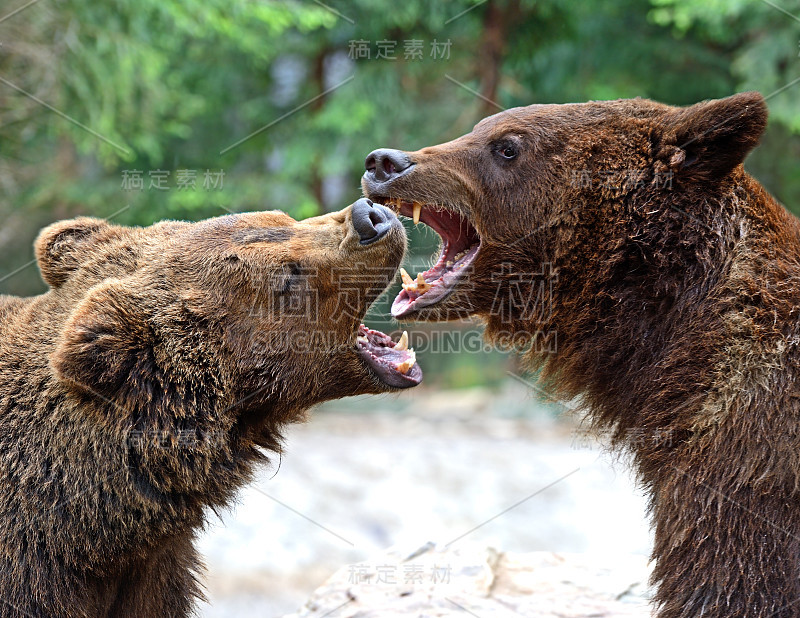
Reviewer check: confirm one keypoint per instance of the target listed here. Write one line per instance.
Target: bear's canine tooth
(402, 343)
(407, 364)
(417, 212)
(422, 286)
(407, 280)
(362, 339)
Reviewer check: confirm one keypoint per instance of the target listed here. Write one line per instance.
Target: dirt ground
(475, 467)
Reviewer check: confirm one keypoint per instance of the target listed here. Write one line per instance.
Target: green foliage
(138, 70)
(761, 40)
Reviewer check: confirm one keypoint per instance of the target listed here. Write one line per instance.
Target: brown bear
(140, 390)
(622, 244)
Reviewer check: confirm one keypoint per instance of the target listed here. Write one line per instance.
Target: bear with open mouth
(671, 306)
(142, 387)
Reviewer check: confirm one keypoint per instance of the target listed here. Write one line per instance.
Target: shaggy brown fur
(140, 389)
(675, 302)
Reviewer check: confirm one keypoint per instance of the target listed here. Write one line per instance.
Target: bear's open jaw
(460, 244)
(392, 362)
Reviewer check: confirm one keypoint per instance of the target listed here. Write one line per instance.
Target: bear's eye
(506, 149)
(508, 152)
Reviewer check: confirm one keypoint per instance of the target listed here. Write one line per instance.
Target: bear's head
(580, 190)
(254, 313)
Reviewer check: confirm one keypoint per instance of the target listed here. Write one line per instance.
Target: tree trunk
(315, 176)
(496, 22)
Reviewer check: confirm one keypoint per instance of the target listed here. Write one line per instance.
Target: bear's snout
(385, 164)
(371, 221)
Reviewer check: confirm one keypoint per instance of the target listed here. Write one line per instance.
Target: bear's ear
(707, 140)
(62, 246)
(105, 345)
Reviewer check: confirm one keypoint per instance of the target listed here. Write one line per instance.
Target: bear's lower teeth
(417, 286)
(407, 364)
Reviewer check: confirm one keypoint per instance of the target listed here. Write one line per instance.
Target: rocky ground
(442, 583)
(461, 469)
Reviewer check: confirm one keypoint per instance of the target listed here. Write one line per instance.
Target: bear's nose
(371, 221)
(385, 163)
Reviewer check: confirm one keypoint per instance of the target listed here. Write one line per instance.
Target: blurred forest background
(150, 109)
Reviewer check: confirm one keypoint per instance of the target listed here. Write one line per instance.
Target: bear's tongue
(460, 244)
(393, 362)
